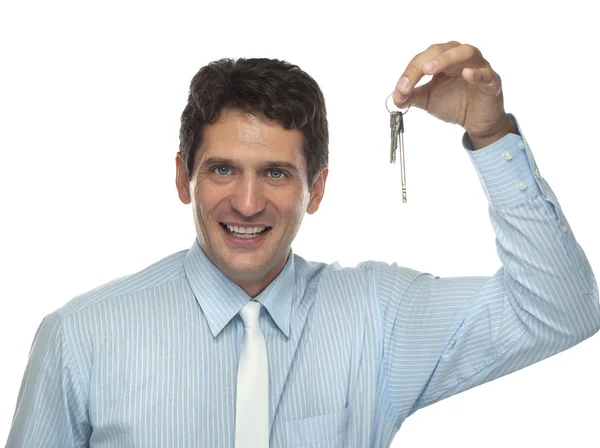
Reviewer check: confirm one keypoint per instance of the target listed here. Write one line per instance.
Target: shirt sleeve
(51, 407)
(443, 336)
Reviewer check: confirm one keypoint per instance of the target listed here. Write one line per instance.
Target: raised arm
(443, 336)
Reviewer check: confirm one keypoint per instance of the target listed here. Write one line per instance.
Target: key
(402, 161)
(397, 135)
(395, 118)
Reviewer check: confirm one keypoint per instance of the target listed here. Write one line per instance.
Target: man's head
(253, 153)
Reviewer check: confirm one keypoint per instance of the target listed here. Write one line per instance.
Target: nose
(248, 198)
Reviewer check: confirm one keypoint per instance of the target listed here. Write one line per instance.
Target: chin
(243, 264)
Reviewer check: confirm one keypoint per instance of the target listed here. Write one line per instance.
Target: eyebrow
(267, 165)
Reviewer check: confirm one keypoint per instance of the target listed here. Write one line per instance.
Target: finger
(414, 70)
(485, 79)
(454, 60)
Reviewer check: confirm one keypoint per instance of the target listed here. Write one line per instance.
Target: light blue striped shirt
(150, 359)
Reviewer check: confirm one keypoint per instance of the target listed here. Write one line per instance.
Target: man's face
(249, 175)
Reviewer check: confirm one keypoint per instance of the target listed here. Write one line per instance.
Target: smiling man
(238, 341)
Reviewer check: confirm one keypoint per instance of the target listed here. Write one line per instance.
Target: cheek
(292, 204)
(205, 200)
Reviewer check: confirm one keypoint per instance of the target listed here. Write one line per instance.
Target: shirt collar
(221, 299)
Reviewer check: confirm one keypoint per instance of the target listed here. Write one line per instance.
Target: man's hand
(464, 90)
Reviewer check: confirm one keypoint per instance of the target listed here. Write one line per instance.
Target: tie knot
(250, 314)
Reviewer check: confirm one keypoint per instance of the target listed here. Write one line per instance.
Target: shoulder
(365, 272)
(167, 270)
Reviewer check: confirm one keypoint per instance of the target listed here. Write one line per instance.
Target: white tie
(252, 402)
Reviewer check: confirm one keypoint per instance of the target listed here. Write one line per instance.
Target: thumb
(417, 98)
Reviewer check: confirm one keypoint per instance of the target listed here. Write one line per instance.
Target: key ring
(386, 106)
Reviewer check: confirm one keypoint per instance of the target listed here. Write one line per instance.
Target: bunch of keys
(397, 129)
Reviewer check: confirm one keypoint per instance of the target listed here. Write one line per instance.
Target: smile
(245, 232)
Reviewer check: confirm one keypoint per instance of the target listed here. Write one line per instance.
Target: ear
(317, 191)
(182, 180)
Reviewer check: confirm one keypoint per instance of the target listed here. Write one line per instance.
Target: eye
(277, 174)
(222, 170)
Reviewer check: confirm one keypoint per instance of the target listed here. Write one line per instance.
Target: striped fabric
(150, 360)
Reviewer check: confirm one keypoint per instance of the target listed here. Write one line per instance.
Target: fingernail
(403, 84)
(430, 66)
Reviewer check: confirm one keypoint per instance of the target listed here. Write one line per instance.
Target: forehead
(242, 135)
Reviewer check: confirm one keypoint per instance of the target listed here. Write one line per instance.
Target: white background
(91, 97)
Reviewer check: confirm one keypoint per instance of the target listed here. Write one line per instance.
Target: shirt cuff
(506, 168)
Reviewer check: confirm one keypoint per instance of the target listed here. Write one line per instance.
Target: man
(240, 342)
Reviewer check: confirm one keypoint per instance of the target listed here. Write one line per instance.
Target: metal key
(395, 118)
(397, 134)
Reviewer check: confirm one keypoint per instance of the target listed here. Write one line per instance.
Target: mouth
(245, 233)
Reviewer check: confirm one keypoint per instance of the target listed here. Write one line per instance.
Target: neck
(254, 287)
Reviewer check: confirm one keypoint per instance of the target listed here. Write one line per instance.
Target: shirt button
(564, 228)
(521, 185)
(537, 173)
(522, 144)
(507, 155)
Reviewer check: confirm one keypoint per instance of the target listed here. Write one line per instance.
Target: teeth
(245, 230)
